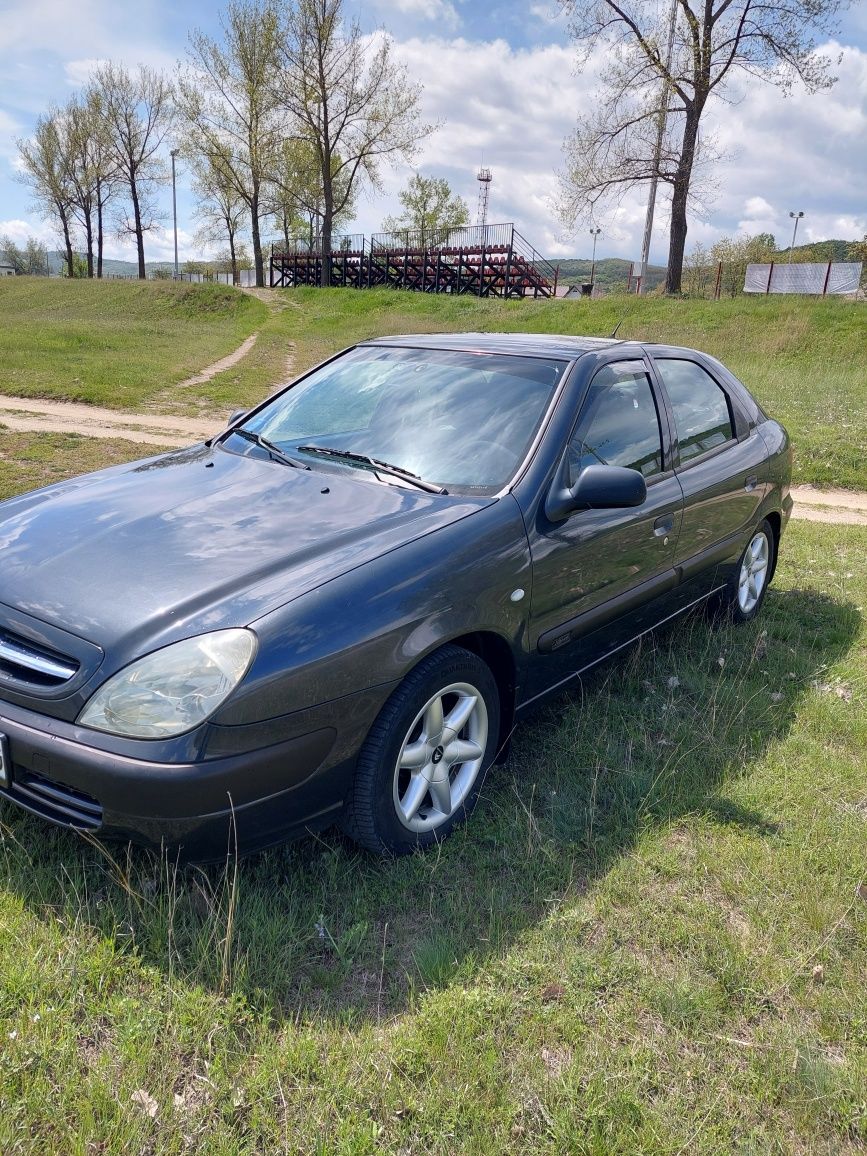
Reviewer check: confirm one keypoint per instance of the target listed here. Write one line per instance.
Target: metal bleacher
(482, 260)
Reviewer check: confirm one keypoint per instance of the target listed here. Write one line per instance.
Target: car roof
(529, 344)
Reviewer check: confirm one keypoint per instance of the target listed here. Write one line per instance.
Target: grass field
(114, 343)
(651, 939)
(127, 345)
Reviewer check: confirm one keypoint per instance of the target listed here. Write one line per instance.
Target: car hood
(197, 540)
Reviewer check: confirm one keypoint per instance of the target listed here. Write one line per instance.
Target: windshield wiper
(376, 464)
(269, 447)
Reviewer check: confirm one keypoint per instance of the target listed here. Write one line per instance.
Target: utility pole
(657, 152)
(175, 209)
(795, 217)
(594, 233)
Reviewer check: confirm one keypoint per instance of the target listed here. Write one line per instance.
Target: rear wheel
(745, 591)
(422, 766)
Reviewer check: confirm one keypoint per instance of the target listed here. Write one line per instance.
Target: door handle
(663, 525)
(750, 483)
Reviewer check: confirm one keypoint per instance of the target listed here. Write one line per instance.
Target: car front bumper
(203, 809)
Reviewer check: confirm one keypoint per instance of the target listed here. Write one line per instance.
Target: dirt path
(841, 507)
(276, 303)
(32, 415)
(218, 366)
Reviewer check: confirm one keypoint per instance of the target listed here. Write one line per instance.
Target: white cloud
(441, 12)
(20, 232)
(504, 106)
(511, 109)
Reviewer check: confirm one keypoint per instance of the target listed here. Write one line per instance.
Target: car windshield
(463, 421)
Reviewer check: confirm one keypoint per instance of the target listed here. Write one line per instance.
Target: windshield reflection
(459, 420)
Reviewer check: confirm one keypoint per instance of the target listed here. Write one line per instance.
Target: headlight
(174, 689)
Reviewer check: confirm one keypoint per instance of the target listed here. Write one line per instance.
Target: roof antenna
(616, 327)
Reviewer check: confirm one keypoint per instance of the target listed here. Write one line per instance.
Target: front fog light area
(172, 690)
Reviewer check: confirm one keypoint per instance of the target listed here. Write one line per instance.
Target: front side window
(701, 408)
(619, 423)
(464, 421)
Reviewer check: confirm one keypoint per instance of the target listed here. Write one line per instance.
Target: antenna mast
(484, 178)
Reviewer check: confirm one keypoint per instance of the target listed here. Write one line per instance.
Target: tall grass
(650, 938)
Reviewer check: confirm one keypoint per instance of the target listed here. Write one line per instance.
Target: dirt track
(842, 507)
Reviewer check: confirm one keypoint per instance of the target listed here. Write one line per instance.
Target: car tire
(417, 777)
(745, 591)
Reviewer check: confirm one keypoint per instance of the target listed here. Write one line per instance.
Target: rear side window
(701, 408)
(619, 425)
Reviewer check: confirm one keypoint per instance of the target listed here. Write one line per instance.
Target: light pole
(175, 209)
(594, 233)
(795, 217)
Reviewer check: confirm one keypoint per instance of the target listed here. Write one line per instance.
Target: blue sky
(500, 78)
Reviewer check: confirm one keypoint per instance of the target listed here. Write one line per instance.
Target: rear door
(720, 461)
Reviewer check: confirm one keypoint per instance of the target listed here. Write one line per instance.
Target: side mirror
(236, 416)
(597, 488)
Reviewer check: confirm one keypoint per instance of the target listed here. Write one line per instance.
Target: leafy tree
(221, 210)
(228, 103)
(298, 202)
(44, 170)
(106, 177)
(697, 271)
(736, 253)
(32, 259)
(138, 112)
(80, 156)
(429, 208)
(348, 98)
(646, 118)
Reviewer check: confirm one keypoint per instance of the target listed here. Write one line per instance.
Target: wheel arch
(497, 655)
(775, 521)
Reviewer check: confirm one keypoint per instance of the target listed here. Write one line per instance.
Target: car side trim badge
(517, 595)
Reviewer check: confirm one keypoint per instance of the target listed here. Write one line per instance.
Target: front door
(600, 571)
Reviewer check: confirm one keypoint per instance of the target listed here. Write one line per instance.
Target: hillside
(612, 273)
(114, 343)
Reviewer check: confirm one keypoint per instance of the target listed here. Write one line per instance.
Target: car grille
(30, 665)
(53, 801)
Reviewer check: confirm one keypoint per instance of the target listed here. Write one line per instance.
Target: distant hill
(110, 266)
(612, 273)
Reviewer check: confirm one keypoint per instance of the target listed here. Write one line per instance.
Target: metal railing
(298, 246)
(471, 237)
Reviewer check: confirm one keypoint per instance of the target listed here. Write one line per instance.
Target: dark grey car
(336, 609)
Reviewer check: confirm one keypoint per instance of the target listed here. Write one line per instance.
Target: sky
(500, 79)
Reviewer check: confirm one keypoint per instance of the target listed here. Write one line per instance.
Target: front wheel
(422, 765)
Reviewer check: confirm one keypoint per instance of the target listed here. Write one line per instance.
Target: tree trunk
(88, 231)
(139, 232)
(327, 223)
(67, 240)
(99, 229)
(257, 240)
(682, 178)
(233, 258)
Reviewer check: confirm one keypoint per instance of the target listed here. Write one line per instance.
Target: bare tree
(138, 112)
(614, 147)
(228, 102)
(429, 208)
(44, 170)
(349, 99)
(221, 210)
